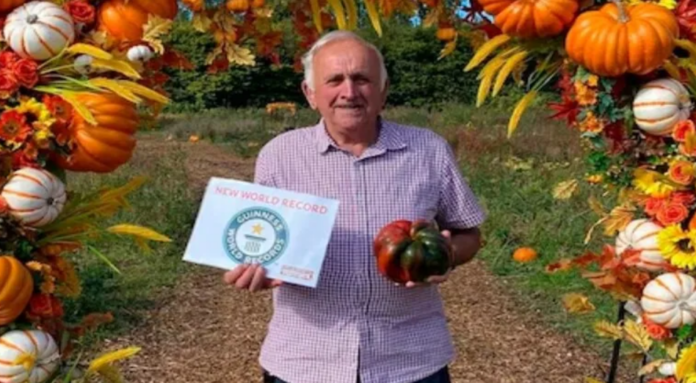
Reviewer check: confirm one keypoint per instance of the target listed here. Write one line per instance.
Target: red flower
(3, 205)
(44, 306)
(81, 11)
(653, 205)
(8, 58)
(14, 129)
(27, 72)
(8, 84)
(672, 213)
(681, 129)
(671, 379)
(656, 331)
(59, 108)
(683, 197)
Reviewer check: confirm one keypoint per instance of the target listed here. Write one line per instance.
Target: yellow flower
(584, 95)
(686, 365)
(595, 178)
(36, 108)
(678, 246)
(592, 80)
(591, 124)
(653, 183)
(669, 4)
(104, 362)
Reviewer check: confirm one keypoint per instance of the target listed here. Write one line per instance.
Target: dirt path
(206, 332)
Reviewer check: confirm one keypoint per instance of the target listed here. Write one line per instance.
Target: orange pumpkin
(237, 5)
(531, 18)
(615, 40)
(124, 19)
(8, 5)
(524, 254)
(445, 34)
(16, 287)
(103, 147)
(257, 3)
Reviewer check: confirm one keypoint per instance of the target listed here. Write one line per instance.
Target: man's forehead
(342, 51)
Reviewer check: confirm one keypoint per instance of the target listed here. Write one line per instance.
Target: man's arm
(465, 244)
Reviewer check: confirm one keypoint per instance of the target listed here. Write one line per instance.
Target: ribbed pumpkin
(525, 254)
(8, 5)
(124, 19)
(641, 235)
(39, 30)
(615, 40)
(660, 104)
(103, 147)
(16, 287)
(670, 300)
(28, 356)
(531, 18)
(34, 196)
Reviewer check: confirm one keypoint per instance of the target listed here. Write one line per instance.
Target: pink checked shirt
(356, 321)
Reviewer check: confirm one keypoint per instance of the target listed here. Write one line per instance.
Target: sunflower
(678, 246)
(686, 365)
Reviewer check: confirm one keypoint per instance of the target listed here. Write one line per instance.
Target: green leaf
(684, 332)
(104, 258)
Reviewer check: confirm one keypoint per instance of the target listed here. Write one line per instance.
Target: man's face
(347, 85)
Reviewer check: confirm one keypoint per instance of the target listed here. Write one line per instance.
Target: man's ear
(309, 94)
(385, 92)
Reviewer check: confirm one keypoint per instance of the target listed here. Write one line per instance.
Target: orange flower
(44, 306)
(3, 205)
(683, 197)
(682, 172)
(682, 128)
(14, 129)
(656, 331)
(59, 108)
(584, 95)
(671, 379)
(653, 205)
(672, 213)
(591, 124)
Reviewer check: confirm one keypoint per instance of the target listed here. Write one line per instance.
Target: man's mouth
(350, 107)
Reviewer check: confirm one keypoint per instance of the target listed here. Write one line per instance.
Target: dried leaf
(371, 12)
(90, 50)
(577, 303)
(448, 49)
(592, 380)
(671, 347)
(596, 206)
(201, 22)
(562, 265)
(637, 334)
(565, 189)
(619, 218)
(651, 367)
(239, 55)
(519, 110)
(608, 330)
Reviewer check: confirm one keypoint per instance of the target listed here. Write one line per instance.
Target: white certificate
(284, 231)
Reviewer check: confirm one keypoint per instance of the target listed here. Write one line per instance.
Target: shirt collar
(389, 138)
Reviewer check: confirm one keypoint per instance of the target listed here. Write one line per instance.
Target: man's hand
(437, 279)
(250, 277)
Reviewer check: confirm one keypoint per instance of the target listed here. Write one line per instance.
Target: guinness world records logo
(256, 235)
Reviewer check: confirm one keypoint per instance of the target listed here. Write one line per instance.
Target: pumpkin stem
(623, 16)
(31, 19)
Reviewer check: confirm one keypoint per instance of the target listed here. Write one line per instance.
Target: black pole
(614, 364)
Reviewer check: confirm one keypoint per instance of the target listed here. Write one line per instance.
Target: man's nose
(350, 89)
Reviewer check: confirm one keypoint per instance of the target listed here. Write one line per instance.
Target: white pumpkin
(34, 196)
(139, 53)
(28, 356)
(660, 104)
(641, 234)
(39, 30)
(670, 300)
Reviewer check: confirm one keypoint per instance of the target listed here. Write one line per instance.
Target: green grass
(512, 178)
(165, 204)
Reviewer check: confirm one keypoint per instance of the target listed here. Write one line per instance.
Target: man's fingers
(244, 281)
(271, 283)
(258, 280)
(231, 276)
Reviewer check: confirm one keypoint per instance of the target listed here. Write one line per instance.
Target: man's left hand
(437, 279)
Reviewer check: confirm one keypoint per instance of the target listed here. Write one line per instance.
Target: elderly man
(356, 325)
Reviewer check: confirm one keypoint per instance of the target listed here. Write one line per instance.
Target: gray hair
(307, 59)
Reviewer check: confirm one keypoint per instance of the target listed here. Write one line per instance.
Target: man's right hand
(250, 277)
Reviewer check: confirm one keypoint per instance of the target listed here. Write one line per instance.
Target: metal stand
(616, 353)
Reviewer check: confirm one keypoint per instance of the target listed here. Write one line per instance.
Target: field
(512, 178)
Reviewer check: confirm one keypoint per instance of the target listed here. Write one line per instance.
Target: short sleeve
(264, 170)
(458, 207)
